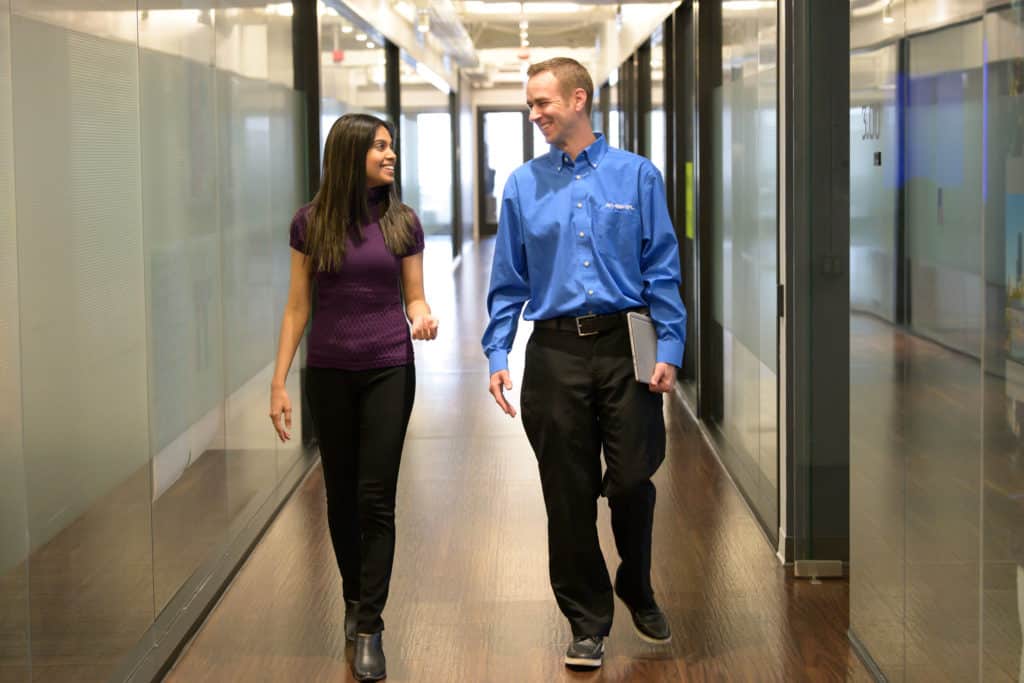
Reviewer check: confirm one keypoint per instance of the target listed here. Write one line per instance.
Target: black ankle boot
(368, 661)
(351, 608)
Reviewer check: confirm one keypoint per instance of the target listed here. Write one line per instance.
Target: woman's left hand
(424, 327)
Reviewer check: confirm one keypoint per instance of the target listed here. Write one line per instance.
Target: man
(584, 237)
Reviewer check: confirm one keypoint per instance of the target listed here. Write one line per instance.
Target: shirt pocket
(618, 230)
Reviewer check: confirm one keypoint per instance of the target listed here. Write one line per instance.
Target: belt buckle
(579, 325)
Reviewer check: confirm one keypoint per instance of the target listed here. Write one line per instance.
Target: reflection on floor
(91, 588)
(470, 599)
(937, 490)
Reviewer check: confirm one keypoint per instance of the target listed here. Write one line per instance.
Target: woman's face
(380, 160)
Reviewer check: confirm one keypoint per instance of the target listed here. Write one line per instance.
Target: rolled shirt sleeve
(659, 265)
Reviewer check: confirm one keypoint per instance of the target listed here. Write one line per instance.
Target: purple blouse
(359, 322)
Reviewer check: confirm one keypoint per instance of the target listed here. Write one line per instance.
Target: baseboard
(160, 646)
(865, 657)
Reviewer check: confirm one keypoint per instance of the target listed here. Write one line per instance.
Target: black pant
(579, 395)
(361, 417)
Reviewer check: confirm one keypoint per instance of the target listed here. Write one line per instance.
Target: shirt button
(581, 234)
(579, 205)
(586, 264)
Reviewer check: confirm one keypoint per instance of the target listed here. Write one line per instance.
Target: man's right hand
(501, 381)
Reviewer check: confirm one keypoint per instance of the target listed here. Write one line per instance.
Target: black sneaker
(651, 625)
(585, 651)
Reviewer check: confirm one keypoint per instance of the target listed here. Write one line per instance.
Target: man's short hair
(570, 75)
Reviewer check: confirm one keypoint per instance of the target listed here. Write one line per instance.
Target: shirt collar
(591, 155)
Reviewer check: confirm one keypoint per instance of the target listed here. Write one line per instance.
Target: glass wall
(352, 68)
(143, 260)
(425, 146)
(937, 471)
(745, 251)
(656, 133)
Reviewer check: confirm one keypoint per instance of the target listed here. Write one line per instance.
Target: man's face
(551, 109)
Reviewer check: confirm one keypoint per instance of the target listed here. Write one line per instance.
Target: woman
(358, 242)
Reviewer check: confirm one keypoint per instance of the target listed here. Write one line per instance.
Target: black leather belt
(587, 325)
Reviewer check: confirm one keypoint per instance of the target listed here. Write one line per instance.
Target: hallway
(470, 599)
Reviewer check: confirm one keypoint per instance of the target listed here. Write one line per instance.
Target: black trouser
(360, 418)
(579, 395)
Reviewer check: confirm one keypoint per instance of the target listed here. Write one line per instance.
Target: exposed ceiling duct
(443, 23)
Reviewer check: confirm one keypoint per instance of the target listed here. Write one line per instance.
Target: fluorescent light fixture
(406, 10)
(432, 78)
(478, 7)
(423, 20)
(283, 9)
(747, 5)
(346, 28)
(361, 37)
(370, 45)
(332, 12)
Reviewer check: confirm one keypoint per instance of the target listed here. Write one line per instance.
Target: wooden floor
(470, 599)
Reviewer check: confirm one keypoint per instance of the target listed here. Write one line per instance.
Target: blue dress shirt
(586, 236)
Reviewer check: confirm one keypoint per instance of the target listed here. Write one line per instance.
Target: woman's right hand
(281, 410)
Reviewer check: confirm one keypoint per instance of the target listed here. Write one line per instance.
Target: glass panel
(1003, 391)
(877, 457)
(874, 175)
(184, 293)
(426, 149)
(247, 467)
(352, 74)
(943, 188)
(14, 648)
(83, 341)
(503, 153)
(288, 191)
(656, 117)
(745, 246)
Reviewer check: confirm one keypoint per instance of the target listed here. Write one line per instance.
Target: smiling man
(584, 237)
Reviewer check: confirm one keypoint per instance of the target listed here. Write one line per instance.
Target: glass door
(506, 140)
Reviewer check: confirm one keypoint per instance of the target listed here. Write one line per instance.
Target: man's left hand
(663, 379)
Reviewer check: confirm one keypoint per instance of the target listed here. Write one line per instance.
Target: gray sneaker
(585, 651)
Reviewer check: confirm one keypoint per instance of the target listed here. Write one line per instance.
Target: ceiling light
(423, 20)
(346, 28)
(406, 10)
(887, 17)
(360, 37)
(370, 45)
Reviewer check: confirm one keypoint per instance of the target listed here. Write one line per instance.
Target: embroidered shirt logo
(620, 207)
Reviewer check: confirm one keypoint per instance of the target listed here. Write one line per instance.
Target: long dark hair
(340, 205)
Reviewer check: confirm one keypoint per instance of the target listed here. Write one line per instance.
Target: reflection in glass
(656, 117)
(1002, 489)
(877, 462)
(745, 245)
(83, 341)
(937, 585)
(352, 75)
(14, 605)
(137, 323)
